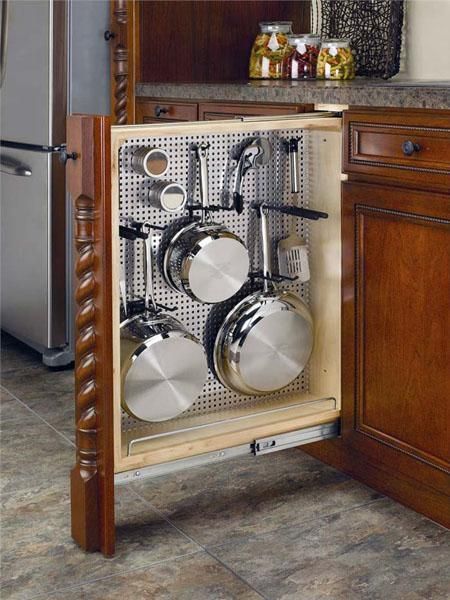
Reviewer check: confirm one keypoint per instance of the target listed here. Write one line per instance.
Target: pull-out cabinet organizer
(112, 446)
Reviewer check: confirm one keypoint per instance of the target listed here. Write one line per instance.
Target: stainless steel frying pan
(266, 340)
(204, 259)
(163, 366)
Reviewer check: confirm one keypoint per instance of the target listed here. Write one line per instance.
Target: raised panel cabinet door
(396, 352)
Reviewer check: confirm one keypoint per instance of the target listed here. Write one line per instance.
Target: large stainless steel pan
(204, 259)
(163, 366)
(266, 340)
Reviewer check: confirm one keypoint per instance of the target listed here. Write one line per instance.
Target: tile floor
(283, 526)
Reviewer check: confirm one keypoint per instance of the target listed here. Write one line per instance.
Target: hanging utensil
(266, 339)
(163, 366)
(292, 251)
(256, 153)
(204, 259)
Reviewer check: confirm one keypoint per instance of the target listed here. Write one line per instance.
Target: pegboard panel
(269, 183)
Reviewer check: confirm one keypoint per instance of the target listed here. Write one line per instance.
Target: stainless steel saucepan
(266, 340)
(204, 259)
(163, 366)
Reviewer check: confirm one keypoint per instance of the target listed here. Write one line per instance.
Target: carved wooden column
(124, 59)
(92, 478)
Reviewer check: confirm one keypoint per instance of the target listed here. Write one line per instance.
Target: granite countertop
(358, 92)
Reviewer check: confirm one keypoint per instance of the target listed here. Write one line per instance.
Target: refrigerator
(54, 61)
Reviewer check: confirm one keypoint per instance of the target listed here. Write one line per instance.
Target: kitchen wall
(426, 49)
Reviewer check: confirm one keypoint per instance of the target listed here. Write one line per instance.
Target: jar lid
(337, 43)
(275, 26)
(305, 38)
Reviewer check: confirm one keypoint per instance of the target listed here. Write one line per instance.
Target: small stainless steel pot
(163, 366)
(167, 195)
(152, 162)
(204, 259)
(266, 340)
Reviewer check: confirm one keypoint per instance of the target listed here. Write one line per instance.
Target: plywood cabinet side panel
(324, 151)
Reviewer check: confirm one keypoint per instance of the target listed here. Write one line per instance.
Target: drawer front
(413, 147)
(153, 111)
(211, 111)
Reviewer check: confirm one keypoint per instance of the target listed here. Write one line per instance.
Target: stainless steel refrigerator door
(25, 250)
(25, 91)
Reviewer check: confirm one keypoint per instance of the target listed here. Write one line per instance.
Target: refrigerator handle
(4, 39)
(12, 166)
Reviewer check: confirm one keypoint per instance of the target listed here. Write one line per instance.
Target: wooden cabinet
(154, 110)
(211, 111)
(394, 315)
(400, 147)
(396, 308)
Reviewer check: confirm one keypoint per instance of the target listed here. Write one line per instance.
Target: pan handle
(293, 165)
(297, 211)
(149, 298)
(266, 248)
(202, 156)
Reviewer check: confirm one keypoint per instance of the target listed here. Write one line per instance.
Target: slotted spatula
(292, 251)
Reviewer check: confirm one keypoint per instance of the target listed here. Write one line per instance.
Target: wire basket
(374, 28)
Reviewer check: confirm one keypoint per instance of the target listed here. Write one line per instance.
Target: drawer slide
(261, 446)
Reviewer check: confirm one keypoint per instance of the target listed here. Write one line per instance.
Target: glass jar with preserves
(335, 60)
(301, 56)
(269, 49)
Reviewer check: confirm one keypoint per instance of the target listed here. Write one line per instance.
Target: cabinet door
(396, 323)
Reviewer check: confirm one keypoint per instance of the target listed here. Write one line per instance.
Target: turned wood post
(124, 36)
(92, 478)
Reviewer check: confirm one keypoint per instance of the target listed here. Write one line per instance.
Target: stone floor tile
(39, 556)
(252, 495)
(37, 382)
(15, 355)
(56, 408)
(195, 577)
(11, 409)
(380, 551)
(31, 452)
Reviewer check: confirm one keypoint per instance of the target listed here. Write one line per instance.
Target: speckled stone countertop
(359, 92)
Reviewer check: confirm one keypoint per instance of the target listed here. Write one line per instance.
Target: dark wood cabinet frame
(92, 478)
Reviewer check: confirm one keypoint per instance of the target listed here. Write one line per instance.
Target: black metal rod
(296, 211)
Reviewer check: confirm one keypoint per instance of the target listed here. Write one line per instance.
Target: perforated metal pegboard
(269, 183)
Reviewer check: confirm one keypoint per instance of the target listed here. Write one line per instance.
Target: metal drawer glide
(295, 438)
(258, 447)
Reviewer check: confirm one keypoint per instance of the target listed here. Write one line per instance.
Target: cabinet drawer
(153, 111)
(212, 111)
(413, 147)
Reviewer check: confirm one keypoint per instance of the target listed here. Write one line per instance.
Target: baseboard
(410, 492)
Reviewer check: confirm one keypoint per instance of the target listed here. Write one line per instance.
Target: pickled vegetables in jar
(301, 56)
(269, 50)
(335, 60)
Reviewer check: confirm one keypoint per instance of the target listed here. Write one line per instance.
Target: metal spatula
(292, 251)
